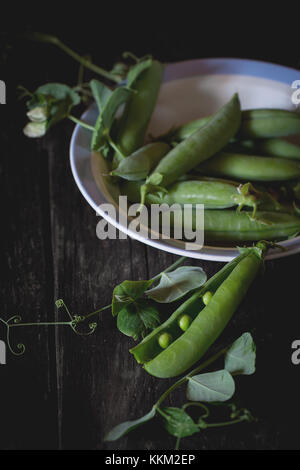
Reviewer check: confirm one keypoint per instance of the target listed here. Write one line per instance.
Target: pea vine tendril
(73, 323)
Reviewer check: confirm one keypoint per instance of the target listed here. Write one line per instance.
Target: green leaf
(106, 118)
(128, 292)
(212, 386)
(60, 92)
(176, 284)
(136, 71)
(240, 358)
(138, 317)
(124, 428)
(56, 99)
(101, 93)
(178, 423)
(59, 111)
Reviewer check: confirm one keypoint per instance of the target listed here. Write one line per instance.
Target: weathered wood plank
(28, 387)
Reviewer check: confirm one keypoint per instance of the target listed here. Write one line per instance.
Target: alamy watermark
(2, 92)
(158, 221)
(296, 94)
(2, 353)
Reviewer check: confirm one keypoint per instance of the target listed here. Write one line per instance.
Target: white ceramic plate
(190, 90)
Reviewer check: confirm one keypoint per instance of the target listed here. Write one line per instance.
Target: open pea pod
(228, 287)
(149, 347)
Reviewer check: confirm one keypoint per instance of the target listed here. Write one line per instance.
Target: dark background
(66, 392)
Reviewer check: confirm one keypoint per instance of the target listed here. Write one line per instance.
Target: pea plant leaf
(137, 318)
(176, 284)
(60, 92)
(240, 358)
(210, 387)
(136, 70)
(100, 138)
(178, 423)
(101, 93)
(124, 428)
(56, 99)
(128, 292)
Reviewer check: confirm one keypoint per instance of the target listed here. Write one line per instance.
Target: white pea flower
(35, 129)
(38, 114)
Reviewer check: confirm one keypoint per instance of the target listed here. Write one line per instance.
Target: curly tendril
(16, 319)
(75, 321)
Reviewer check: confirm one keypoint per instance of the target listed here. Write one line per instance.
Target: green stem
(225, 423)
(96, 312)
(170, 268)
(177, 443)
(200, 405)
(82, 60)
(81, 123)
(13, 325)
(115, 147)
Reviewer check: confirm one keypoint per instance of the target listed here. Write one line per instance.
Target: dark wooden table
(67, 391)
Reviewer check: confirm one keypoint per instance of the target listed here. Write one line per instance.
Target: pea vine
(213, 388)
(134, 303)
(136, 306)
(54, 102)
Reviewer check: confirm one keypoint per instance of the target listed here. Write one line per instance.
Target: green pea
(184, 322)
(207, 297)
(164, 340)
(209, 323)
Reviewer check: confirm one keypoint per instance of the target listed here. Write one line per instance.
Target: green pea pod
(213, 193)
(233, 226)
(210, 321)
(265, 123)
(149, 347)
(138, 110)
(138, 165)
(250, 167)
(255, 124)
(272, 147)
(201, 145)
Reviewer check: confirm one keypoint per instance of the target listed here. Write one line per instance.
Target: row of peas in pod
(236, 163)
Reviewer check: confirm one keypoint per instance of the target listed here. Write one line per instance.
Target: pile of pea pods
(236, 163)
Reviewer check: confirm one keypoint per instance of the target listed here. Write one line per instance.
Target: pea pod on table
(228, 288)
(201, 145)
(149, 347)
(251, 167)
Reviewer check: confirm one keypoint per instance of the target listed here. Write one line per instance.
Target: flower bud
(35, 129)
(38, 114)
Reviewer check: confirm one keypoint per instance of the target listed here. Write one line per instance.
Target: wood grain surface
(67, 391)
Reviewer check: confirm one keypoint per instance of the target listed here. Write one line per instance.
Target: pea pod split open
(228, 288)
